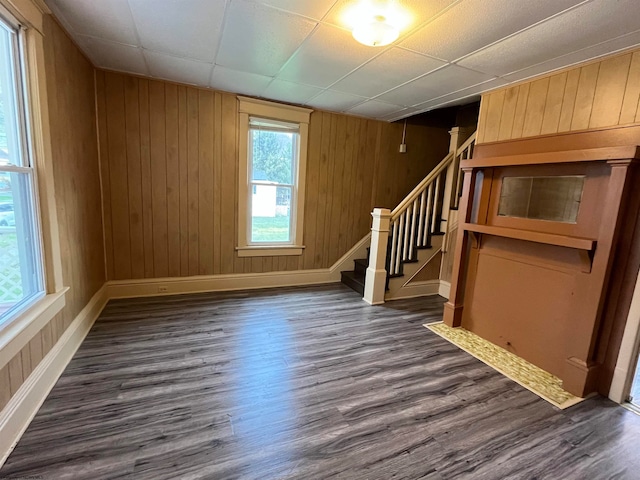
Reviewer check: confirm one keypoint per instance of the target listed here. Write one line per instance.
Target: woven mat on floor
(534, 379)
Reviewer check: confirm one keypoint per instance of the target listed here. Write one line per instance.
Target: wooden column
(453, 308)
(376, 278)
(582, 366)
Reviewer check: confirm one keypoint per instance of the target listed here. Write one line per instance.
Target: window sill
(19, 331)
(269, 251)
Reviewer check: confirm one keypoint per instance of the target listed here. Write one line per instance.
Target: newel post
(449, 186)
(376, 279)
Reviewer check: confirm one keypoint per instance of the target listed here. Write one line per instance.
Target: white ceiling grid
(302, 51)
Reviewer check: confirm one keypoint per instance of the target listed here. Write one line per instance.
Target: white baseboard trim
(18, 413)
(416, 289)
(152, 287)
(217, 283)
(445, 289)
(359, 250)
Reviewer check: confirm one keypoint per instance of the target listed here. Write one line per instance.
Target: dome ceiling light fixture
(376, 23)
(376, 33)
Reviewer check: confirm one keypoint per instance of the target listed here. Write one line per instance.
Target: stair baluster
(423, 213)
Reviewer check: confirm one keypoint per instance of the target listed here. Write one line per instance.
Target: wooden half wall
(70, 91)
(169, 169)
(594, 105)
(598, 95)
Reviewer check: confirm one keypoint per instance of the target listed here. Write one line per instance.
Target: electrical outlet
(163, 289)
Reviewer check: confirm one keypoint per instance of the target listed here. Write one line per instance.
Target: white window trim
(286, 113)
(18, 331)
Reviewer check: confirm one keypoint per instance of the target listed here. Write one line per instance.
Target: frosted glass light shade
(377, 33)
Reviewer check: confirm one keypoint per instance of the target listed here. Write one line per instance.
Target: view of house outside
(272, 185)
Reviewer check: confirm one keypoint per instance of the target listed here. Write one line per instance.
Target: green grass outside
(6, 197)
(270, 229)
(10, 284)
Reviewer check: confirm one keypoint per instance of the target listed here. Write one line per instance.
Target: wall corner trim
(18, 413)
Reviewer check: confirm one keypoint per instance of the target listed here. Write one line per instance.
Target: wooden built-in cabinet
(536, 243)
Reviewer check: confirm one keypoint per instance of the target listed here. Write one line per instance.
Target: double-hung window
(273, 147)
(21, 272)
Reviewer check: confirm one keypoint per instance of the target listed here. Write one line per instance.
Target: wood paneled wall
(169, 162)
(70, 90)
(597, 95)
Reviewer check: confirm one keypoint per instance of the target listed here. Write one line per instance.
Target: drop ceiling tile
(605, 48)
(581, 27)
(344, 15)
(441, 82)
(178, 69)
(238, 82)
(114, 56)
(199, 27)
(318, 63)
(290, 92)
(478, 23)
(374, 109)
(259, 39)
(315, 9)
(110, 20)
(393, 67)
(335, 101)
(464, 95)
(396, 115)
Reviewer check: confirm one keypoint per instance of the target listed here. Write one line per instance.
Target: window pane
(555, 199)
(272, 156)
(10, 152)
(20, 275)
(270, 214)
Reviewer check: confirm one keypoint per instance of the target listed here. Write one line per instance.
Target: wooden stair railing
(421, 215)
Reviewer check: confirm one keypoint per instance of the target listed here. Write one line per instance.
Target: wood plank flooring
(305, 383)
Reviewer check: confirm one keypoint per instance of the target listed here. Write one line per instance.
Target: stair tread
(352, 280)
(353, 275)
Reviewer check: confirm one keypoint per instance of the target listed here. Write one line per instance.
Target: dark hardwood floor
(305, 383)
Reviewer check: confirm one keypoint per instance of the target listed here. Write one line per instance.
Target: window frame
(248, 108)
(17, 331)
(25, 168)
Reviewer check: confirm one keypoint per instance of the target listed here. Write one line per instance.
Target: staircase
(414, 233)
(354, 279)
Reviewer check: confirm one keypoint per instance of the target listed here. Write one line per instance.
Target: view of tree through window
(273, 154)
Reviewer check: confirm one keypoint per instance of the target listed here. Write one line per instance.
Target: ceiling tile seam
(529, 27)
(408, 49)
(573, 53)
(105, 40)
(457, 91)
(449, 102)
(405, 35)
(297, 14)
(410, 81)
(419, 26)
(371, 100)
(296, 51)
(137, 34)
(384, 50)
(396, 43)
(215, 57)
